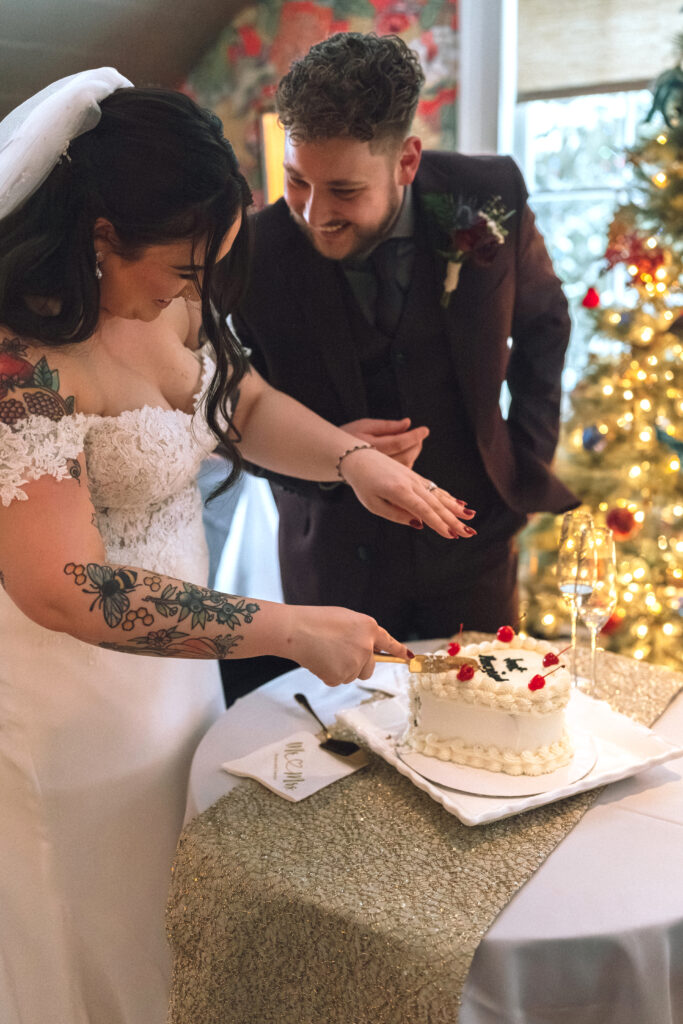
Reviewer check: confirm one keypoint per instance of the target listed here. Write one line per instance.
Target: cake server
(430, 662)
(343, 747)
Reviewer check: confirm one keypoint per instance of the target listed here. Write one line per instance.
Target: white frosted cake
(506, 715)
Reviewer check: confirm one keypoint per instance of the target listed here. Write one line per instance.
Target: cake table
(367, 903)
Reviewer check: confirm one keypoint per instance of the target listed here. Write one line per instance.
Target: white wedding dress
(95, 745)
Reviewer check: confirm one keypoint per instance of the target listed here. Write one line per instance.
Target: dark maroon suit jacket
(295, 320)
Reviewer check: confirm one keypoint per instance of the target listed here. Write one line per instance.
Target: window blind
(587, 46)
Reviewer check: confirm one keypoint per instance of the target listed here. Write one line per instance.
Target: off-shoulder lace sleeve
(35, 447)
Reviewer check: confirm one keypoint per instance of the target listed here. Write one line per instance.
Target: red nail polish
(469, 531)
(453, 534)
(416, 524)
(410, 653)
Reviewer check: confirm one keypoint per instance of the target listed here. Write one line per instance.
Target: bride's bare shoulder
(39, 379)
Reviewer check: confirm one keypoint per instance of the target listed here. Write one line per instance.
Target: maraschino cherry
(552, 659)
(454, 646)
(506, 634)
(538, 682)
(465, 672)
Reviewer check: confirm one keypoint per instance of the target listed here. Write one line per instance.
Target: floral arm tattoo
(129, 601)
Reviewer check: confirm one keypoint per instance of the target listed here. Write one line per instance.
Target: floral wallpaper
(238, 76)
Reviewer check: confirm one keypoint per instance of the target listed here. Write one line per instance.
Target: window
(572, 153)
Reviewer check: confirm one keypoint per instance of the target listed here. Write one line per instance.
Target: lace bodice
(142, 467)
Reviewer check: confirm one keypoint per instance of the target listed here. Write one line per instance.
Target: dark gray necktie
(389, 301)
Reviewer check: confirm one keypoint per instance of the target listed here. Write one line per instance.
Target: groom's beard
(341, 239)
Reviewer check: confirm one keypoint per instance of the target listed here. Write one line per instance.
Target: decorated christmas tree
(621, 446)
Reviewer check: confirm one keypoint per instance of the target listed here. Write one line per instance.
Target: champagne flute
(574, 525)
(597, 562)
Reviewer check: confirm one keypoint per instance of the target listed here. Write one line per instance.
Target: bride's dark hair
(158, 167)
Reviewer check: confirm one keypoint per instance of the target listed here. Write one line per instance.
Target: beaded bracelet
(350, 451)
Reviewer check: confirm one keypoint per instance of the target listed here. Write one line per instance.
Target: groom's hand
(392, 437)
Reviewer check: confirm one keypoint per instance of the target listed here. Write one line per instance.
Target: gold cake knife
(430, 662)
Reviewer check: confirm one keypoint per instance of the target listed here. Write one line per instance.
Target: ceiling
(151, 42)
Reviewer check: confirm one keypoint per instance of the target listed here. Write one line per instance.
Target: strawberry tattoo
(14, 369)
(26, 388)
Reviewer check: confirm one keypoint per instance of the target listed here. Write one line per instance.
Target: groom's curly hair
(351, 85)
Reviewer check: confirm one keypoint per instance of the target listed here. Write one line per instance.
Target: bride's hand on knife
(336, 644)
(397, 493)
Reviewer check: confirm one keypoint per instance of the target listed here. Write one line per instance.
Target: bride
(123, 243)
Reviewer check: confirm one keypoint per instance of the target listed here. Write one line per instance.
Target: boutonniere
(473, 233)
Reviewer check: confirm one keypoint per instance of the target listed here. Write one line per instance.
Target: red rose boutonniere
(473, 233)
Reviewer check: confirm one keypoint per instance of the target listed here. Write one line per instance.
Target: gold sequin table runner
(364, 903)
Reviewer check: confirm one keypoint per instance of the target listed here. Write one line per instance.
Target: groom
(346, 311)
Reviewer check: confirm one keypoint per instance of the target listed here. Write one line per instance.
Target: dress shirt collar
(403, 227)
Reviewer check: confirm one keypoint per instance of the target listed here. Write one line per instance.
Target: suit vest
(412, 374)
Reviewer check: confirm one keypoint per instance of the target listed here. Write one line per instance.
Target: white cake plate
(485, 783)
(623, 748)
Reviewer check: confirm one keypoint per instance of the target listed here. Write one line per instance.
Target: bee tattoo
(111, 588)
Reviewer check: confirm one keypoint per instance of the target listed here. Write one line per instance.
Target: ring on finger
(431, 486)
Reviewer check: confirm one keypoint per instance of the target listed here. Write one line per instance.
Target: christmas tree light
(621, 446)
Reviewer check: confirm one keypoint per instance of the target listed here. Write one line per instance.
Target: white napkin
(295, 766)
(387, 678)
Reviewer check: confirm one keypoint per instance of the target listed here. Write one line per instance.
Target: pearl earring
(98, 268)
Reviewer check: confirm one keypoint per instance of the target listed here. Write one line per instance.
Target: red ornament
(628, 247)
(536, 683)
(506, 634)
(613, 624)
(465, 672)
(622, 523)
(591, 299)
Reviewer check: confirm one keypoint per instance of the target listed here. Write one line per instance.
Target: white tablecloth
(596, 935)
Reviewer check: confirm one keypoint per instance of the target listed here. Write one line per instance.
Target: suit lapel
(472, 337)
(474, 340)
